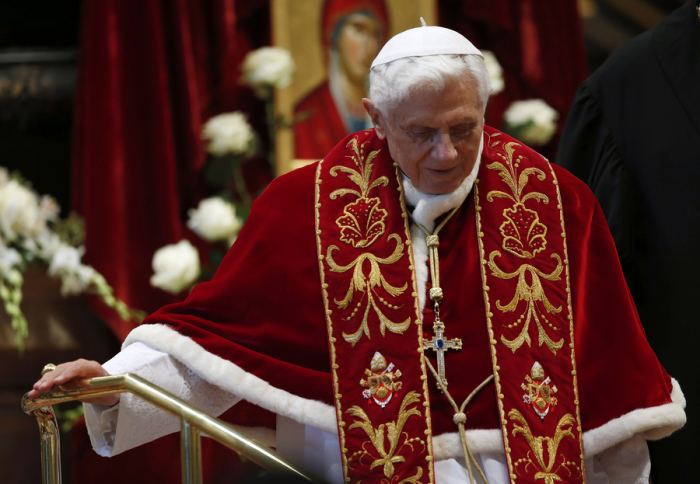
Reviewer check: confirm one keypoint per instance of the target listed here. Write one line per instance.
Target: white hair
(391, 83)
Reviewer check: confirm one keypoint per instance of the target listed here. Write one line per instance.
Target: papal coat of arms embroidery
(381, 381)
(539, 392)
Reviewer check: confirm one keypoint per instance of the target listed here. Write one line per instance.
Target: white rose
(9, 259)
(493, 67)
(65, 260)
(214, 219)
(77, 282)
(534, 121)
(176, 267)
(45, 244)
(19, 211)
(228, 133)
(268, 67)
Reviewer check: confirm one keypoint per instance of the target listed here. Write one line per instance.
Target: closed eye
(421, 133)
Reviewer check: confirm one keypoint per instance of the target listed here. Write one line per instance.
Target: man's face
(434, 135)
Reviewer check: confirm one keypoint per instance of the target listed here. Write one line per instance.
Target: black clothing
(633, 135)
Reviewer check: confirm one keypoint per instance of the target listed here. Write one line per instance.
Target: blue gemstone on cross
(440, 344)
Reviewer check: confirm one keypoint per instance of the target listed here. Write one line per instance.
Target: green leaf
(221, 170)
(215, 257)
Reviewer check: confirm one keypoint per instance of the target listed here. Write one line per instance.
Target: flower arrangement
(533, 122)
(31, 231)
(231, 141)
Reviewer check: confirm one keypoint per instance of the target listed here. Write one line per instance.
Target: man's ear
(376, 116)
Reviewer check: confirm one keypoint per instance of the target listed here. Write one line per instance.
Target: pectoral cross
(439, 344)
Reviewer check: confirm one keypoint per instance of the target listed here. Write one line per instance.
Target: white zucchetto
(424, 41)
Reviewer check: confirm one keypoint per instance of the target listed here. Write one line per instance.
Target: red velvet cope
(150, 72)
(263, 310)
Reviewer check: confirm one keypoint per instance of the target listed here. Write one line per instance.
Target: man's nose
(444, 149)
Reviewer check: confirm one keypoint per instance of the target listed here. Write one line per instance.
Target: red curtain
(539, 44)
(152, 71)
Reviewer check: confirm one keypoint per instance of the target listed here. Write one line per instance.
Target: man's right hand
(65, 372)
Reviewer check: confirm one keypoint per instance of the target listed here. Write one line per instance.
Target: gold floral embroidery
(367, 284)
(409, 480)
(361, 224)
(531, 294)
(566, 423)
(363, 220)
(394, 433)
(524, 237)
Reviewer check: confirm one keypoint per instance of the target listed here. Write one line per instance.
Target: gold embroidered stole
(372, 315)
(525, 271)
(374, 322)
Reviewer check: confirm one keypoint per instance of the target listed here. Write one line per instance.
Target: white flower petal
(495, 72)
(228, 133)
(176, 267)
(268, 67)
(19, 211)
(214, 219)
(534, 119)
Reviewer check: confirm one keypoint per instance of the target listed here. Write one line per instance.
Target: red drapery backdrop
(152, 71)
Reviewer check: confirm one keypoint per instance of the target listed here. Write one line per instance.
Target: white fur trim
(677, 394)
(231, 377)
(653, 422)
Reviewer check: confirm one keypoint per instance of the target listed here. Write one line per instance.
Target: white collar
(430, 207)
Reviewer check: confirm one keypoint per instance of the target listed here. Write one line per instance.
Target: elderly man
(431, 248)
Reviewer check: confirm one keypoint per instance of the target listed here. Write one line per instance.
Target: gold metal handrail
(193, 423)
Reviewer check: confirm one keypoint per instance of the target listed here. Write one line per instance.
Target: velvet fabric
(264, 311)
(368, 285)
(150, 73)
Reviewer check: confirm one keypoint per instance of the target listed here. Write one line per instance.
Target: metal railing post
(50, 446)
(191, 451)
(193, 423)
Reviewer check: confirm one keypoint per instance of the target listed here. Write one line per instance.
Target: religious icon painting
(333, 43)
(539, 391)
(381, 384)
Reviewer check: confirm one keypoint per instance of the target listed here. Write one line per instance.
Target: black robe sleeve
(589, 151)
